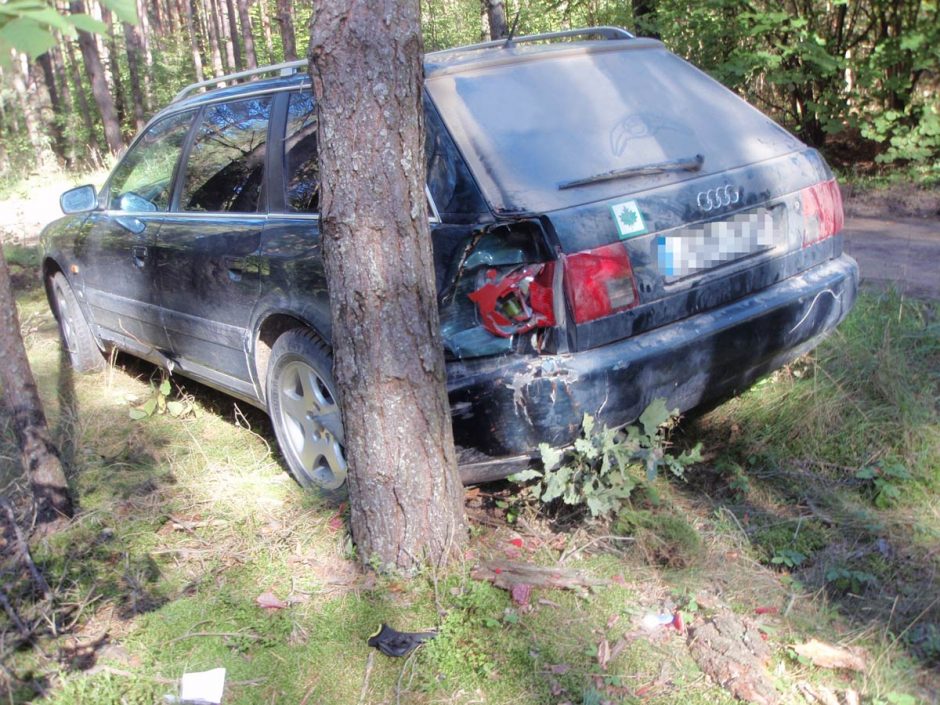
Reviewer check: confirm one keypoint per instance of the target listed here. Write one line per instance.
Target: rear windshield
(526, 127)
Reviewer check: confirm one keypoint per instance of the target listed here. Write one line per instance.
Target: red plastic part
(600, 282)
(517, 301)
(822, 212)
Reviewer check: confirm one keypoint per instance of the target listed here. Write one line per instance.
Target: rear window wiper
(685, 164)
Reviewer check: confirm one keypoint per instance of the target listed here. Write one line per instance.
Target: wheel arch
(269, 328)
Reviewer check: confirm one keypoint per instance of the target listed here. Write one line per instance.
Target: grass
(184, 522)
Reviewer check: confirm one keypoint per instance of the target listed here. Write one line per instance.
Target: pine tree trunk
(405, 494)
(193, 44)
(251, 61)
(68, 105)
(99, 85)
(266, 31)
(285, 15)
(225, 35)
(37, 452)
(496, 14)
(143, 30)
(117, 90)
(83, 107)
(132, 46)
(58, 113)
(233, 32)
(211, 21)
(31, 115)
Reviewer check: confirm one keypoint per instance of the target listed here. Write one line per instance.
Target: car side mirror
(135, 203)
(79, 200)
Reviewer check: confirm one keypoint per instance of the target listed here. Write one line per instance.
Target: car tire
(77, 338)
(304, 411)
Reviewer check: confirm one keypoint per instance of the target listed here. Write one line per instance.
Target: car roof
(293, 75)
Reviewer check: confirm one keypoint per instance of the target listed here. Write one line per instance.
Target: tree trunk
(31, 115)
(83, 107)
(37, 452)
(285, 15)
(99, 86)
(143, 30)
(266, 31)
(496, 13)
(233, 32)
(251, 61)
(225, 36)
(211, 21)
(405, 494)
(60, 71)
(132, 46)
(120, 102)
(58, 113)
(193, 44)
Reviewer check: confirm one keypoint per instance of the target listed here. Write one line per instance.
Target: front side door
(114, 247)
(207, 250)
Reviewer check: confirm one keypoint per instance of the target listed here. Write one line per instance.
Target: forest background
(858, 79)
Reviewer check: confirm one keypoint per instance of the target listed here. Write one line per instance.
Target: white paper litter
(204, 688)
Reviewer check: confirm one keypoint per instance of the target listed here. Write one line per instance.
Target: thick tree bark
(496, 14)
(99, 86)
(285, 18)
(37, 452)
(405, 494)
(251, 61)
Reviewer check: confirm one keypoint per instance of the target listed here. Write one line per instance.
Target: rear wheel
(304, 411)
(77, 338)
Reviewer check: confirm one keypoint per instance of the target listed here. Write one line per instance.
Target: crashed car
(609, 224)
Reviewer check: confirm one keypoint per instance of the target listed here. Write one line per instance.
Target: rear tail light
(599, 282)
(822, 211)
(516, 301)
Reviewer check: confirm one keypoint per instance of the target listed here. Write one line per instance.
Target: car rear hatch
(657, 192)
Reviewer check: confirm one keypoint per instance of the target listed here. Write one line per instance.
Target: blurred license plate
(698, 248)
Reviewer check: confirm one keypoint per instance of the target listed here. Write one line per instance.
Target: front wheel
(77, 338)
(304, 411)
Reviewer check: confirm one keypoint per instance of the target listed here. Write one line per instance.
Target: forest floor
(814, 517)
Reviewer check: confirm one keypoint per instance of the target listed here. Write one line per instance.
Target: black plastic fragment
(395, 643)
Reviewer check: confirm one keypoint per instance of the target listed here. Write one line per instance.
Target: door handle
(139, 253)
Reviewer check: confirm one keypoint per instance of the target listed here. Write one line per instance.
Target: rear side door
(207, 251)
(114, 247)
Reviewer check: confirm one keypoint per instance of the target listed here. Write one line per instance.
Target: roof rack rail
(603, 31)
(285, 69)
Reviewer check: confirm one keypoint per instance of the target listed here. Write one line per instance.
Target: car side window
(225, 168)
(144, 178)
(301, 169)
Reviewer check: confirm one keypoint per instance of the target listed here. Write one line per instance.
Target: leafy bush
(604, 466)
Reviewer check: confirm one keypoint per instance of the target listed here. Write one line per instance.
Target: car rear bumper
(503, 408)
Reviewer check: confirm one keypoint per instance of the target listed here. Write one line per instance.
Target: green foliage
(159, 402)
(790, 546)
(847, 580)
(883, 482)
(604, 466)
(29, 26)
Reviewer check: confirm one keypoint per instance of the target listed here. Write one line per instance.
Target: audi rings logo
(718, 197)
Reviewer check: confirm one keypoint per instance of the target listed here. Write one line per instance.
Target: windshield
(528, 127)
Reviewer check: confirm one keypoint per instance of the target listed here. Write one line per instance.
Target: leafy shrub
(604, 466)
(883, 482)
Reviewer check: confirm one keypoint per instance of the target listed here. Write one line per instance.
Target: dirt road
(902, 251)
